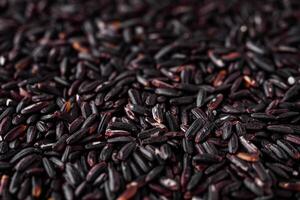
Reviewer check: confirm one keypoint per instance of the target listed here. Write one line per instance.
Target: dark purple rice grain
(187, 146)
(123, 126)
(149, 133)
(194, 180)
(278, 171)
(165, 151)
(24, 189)
(113, 179)
(5, 124)
(155, 139)
(4, 165)
(214, 168)
(207, 158)
(77, 123)
(26, 162)
(169, 183)
(42, 126)
(120, 139)
(134, 96)
(287, 147)
(34, 107)
(68, 191)
(76, 136)
(91, 159)
(198, 113)
(72, 174)
(103, 123)
(106, 152)
(3, 147)
(95, 171)
(172, 122)
(291, 92)
(292, 138)
(226, 130)
(85, 110)
(32, 119)
(89, 121)
(250, 147)
(140, 162)
(233, 144)
(280, 128)
(238, 162)
(193, 129)
(80, 189)
(66, 153)
(7, 112)
(134, 168)
(168, 92)
(147, 153)
(204, 132)
(15, 182)
(49, 168)
(126, 150)
(18, 119)
(126, 171)
(15, 132)
(154, 173)
(213, 194)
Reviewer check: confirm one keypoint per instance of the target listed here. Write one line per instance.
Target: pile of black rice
(141, 99)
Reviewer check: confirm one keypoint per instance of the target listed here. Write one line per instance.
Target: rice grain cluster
(150, 100)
